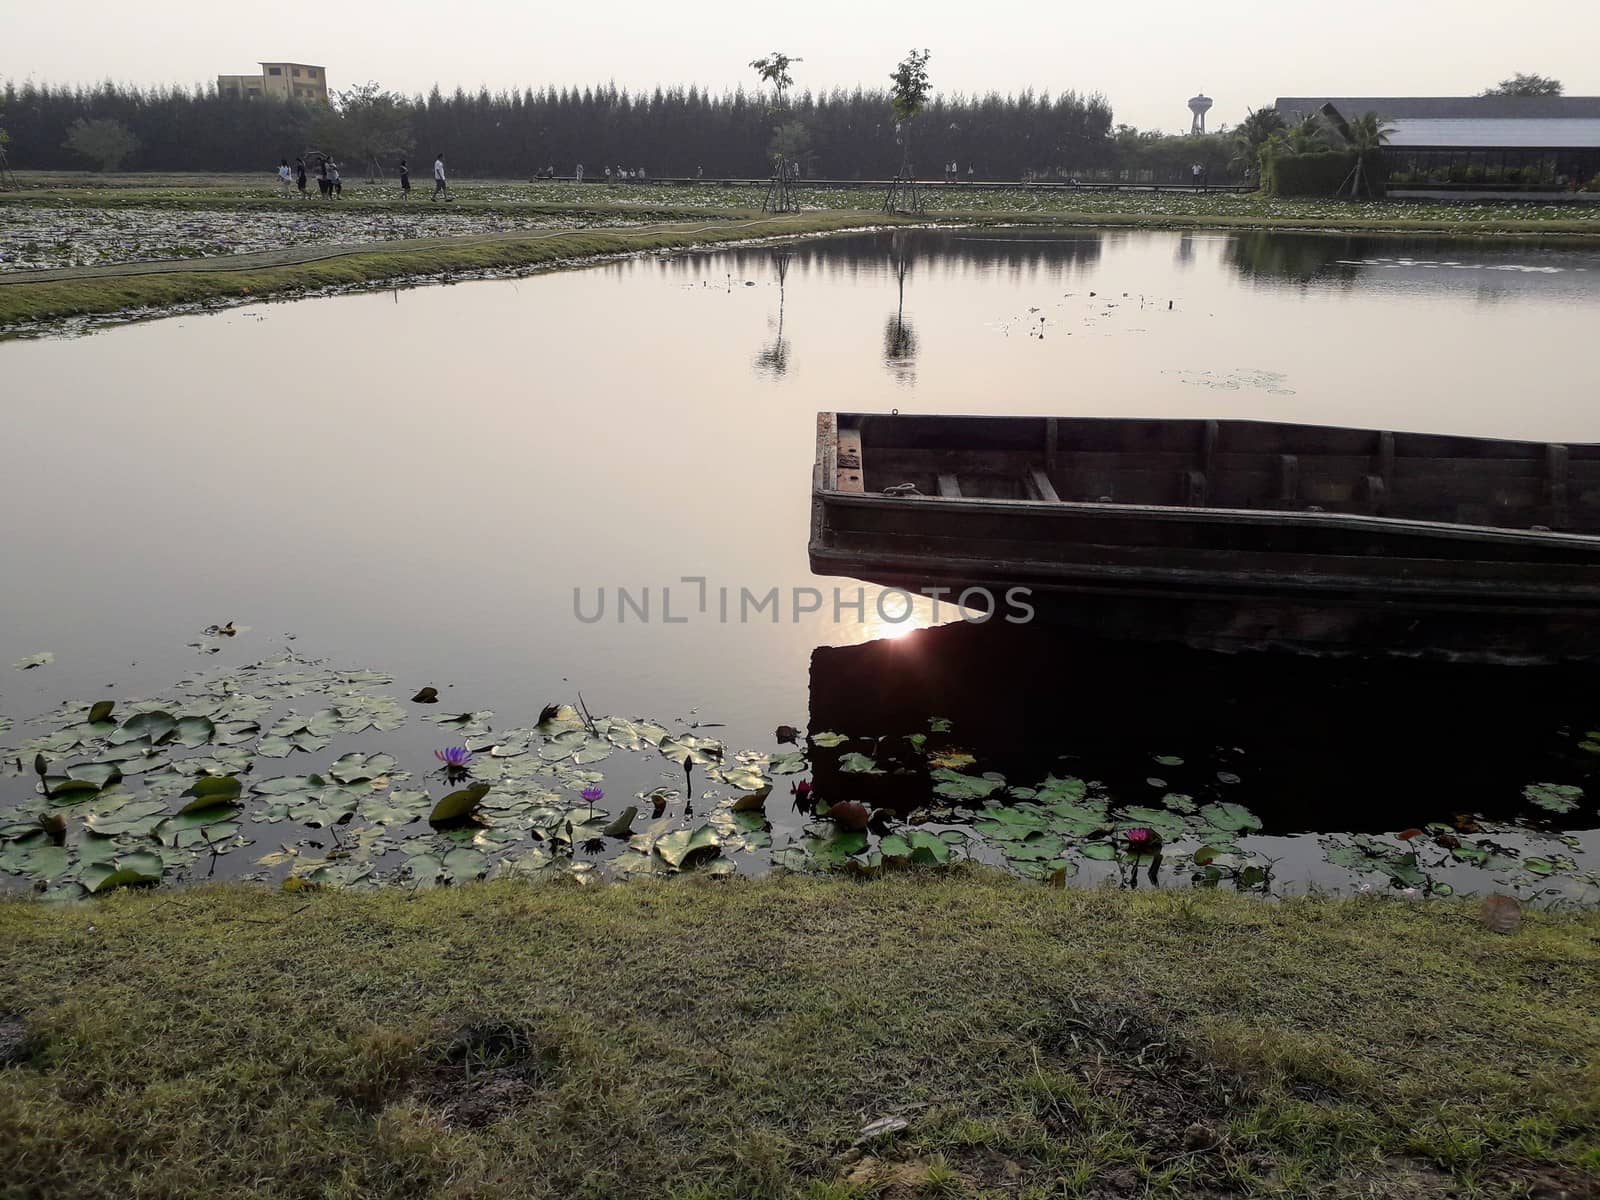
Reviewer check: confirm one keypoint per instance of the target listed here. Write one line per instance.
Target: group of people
(952, 172)
(331, 186)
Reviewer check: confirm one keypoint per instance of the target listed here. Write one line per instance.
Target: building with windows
(1475, 143)
(278, 81)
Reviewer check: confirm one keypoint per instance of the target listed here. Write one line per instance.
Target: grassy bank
(732, 1039)
(101, 290)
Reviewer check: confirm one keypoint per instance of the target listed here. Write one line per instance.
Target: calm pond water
(419, 481)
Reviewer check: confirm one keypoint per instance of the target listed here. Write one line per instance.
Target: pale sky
(1147, 56)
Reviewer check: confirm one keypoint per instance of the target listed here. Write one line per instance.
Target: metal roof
(1470, 122)
(1529, 133)
(1447, 108)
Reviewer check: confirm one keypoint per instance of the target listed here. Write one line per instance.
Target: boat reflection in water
(1306, 744)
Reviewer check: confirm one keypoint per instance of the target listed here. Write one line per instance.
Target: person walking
(284, 178)
(334, 182)
(405, 180)
(438, 177)
(1195, 172)
(300, 176)
(324, 184)
(577, 173)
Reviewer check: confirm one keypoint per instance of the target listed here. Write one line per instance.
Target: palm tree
(1307, 137)
(1251, 136)
(1367, 135)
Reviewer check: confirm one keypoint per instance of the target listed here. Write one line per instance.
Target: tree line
(669, 131)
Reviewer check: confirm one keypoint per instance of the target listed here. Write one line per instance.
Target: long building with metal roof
(1476, 142)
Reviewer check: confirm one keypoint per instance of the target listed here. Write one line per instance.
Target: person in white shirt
(285, 177)
(438, 177)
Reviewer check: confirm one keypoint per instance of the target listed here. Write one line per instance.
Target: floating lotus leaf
(938, 724)
(827, 740)
(858, 764)
(1168, 824)
(464, 864)
(130, 870)
(211, 792)
(193, 731)
(685, 748)
(893, 846)
(138, 817)
(833, 850)
(953, 785)
(1169, 760)
(152, 727)
(1103, 851)
(100, 711)
(359, 768)
(745, 777)
(458, 804)
(395, 808)
(1554, 797)
(1179, 803)
(43, 658)
(928, 848)
(1234, 818)
(1036, 847)
(789, 764)
(682, 846)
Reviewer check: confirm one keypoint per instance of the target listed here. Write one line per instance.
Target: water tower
(1199, 106)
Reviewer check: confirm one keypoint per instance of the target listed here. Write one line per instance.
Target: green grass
(25, 302)
(729, 1039)
(1176, 208)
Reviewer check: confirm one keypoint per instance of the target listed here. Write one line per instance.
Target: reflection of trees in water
(774, 356)
(899, 338)
(1018, 253)
(1299, 257)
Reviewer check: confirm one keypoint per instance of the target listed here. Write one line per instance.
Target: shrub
(1317, 174)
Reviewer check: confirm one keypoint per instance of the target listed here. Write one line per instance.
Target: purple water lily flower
(454, 757)
(592, 793)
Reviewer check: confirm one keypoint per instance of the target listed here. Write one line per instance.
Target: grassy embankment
(731, 1040)
(702, 215)
(140, 286)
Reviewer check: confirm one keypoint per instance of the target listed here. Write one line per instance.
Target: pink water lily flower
(1142, 839)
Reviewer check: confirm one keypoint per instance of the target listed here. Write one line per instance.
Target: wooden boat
(1227, 534)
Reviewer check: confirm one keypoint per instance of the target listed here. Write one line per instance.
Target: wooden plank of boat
(1212, 514)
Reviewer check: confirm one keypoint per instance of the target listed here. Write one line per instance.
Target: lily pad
(953, 785)
(683, 845)
(1554, 797)
(360, 768)
(458, 804)
(1233, 818)
(858, 764)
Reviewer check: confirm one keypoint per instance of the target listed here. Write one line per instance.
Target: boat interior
(1247, 465)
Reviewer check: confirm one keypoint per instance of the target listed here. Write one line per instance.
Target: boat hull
(1305, 580)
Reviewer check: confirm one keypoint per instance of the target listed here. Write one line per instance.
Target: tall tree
(774, 70)
(1525, 85)
(907, 97)
(372, 126)
(104, 142)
